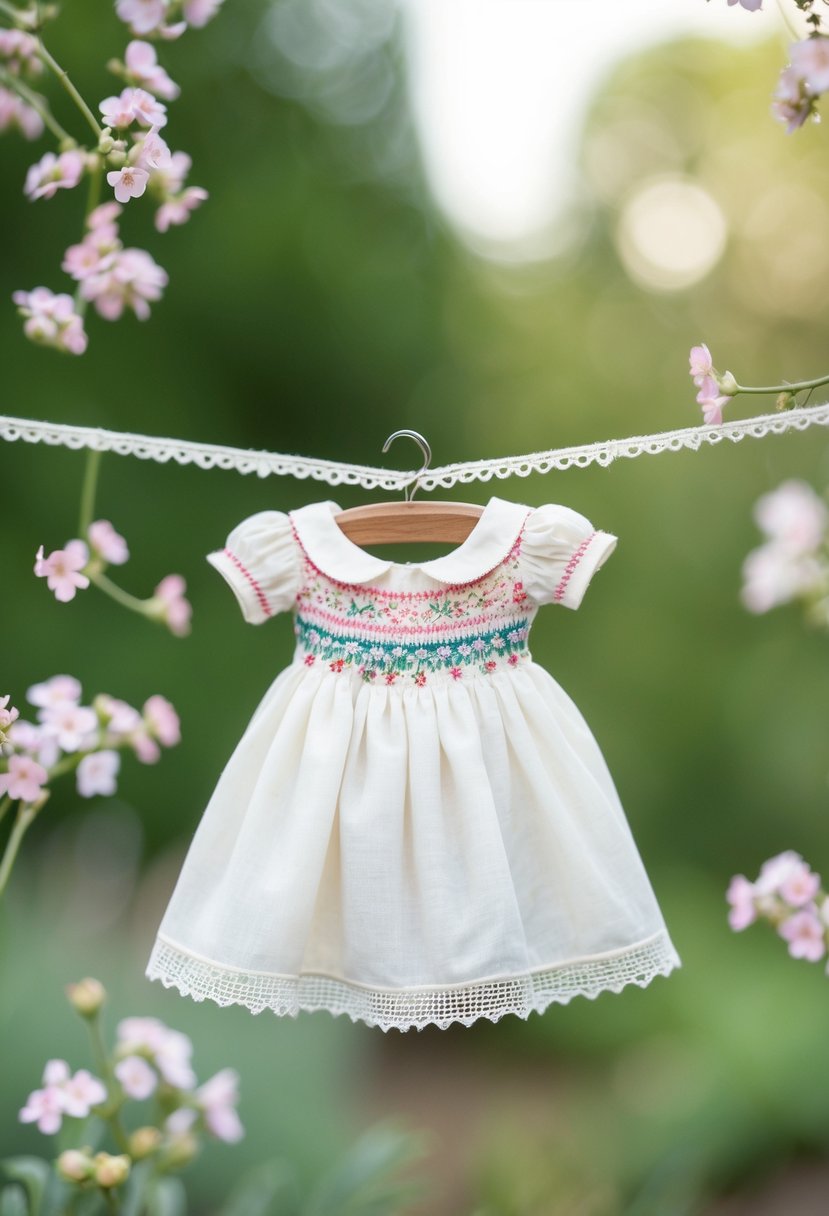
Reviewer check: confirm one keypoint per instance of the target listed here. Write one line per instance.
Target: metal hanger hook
(411, 489)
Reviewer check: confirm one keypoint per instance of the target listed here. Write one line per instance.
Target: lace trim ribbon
(412, 1008)
(266, 464)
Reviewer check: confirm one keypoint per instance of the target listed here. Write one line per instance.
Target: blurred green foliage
(316, 303)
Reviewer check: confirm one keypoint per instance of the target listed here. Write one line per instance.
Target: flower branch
(716, 389)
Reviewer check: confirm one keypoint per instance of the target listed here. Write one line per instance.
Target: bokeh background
(350, 275)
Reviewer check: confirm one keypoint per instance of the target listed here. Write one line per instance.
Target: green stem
(4, 807)
(796, 387)
(111, 1199)
(37, 103)
(92, 199)
(25, 817)
(63, 77)
(103, 1064)
(88, 491)
(19, 18)
(120, 596)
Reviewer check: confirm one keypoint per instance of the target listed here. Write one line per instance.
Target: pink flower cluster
(150, 1052)
(8, 715)
(51, 320)
(111, 277)
(166, 18)
(95, 733)
(803, 81)
(70, 569)
(788, 894)
(705, 376)
(137, 162)
(792, 563)
(62, 1094)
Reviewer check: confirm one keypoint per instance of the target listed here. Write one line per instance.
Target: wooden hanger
(383, 523)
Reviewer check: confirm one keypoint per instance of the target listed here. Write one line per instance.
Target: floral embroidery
(406, 636)
(372, 658)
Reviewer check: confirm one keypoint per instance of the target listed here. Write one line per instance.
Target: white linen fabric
(417, 827)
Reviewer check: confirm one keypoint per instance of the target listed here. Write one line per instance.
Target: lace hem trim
(412, 1008)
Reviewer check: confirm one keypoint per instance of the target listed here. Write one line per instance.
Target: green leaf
(13, 1201)
(367, 1181)
(269, 1190)
(166, 1197)
(33, 1175)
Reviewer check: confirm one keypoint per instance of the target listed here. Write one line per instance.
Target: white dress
(417, 827)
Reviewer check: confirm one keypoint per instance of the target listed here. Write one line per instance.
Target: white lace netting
(266, 464)
(411, 1008)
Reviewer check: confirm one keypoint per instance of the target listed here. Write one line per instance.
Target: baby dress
(417, 826)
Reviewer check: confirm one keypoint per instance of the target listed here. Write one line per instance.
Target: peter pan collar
(340, 559)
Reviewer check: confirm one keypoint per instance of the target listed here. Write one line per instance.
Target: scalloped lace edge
(412, 1008)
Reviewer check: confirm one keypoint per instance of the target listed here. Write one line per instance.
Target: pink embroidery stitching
(570, 568)
(260, 594)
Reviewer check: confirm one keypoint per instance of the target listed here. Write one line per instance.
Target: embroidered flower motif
(464, 649)
(518, 593)
(310, 660)
(337, 664)
(498, 642)
(456, 673)
(420, 679)
(490, 666)
(479, 644)
(512, 660)
(391, 676)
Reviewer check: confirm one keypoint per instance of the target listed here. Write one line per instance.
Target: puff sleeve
(560, 552)
(261, 564)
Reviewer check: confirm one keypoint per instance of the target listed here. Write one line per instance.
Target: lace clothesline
(334, 472)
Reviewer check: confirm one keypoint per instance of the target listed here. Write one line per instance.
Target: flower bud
(106, 143)
(180, 1150)
(143, 1142)
(74, 1165)
(785, 401)
(728, 384)
(87, 996)
(111, 1171)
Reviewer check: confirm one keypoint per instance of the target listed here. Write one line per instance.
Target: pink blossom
(62, 569)
(119, 717)
(712, 401)
(700, 362)
(45, 1108)
(804, 933)
(162, 721)
(792, 103)
(8, 713)
(104, 215)
(776, 871)
(773, 575)
(198, 12)
(53, 173)
(170, 32)
(171, 176)
(15, 112)
(181, 1120)
(170, 1049)
(85, 259)
(107, 542)
(810, 60)
(218, 1099)
(81, 1092)
(173, 608)
(133, 105)
(60, 690)
(141, 62)
(24, 780)
(27, 737)
(132, 281)
(800, 886)
(97, 773)
(793, 515)
(51, 320)
(74, 726)
(128, 182)
(741, 895)
(151, 152)
(177, 210)
(20, 51)
(142, 16)
(136, 1077)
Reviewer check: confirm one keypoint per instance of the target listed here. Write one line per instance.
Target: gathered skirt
(412, 856)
